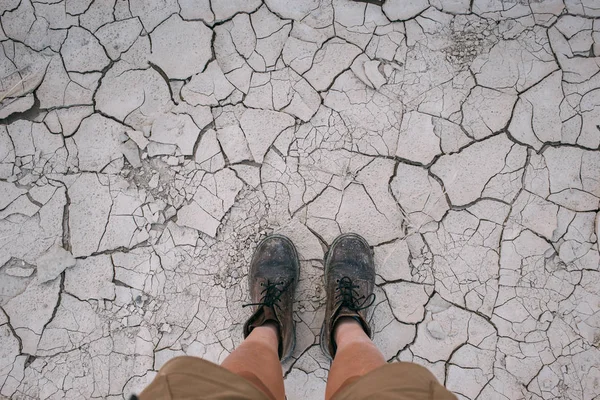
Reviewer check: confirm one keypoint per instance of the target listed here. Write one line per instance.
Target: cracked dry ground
(146, 146)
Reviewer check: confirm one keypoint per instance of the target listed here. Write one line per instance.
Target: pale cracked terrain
(146, 146)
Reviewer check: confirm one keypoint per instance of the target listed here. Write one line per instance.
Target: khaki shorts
(194, 378)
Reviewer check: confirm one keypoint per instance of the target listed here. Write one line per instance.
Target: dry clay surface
(146, 146)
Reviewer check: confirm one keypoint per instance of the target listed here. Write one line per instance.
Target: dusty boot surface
(349, 282)
(272, 279)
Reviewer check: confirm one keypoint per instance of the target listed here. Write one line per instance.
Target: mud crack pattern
(146, 146)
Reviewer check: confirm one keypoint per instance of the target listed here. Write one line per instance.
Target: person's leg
(257, 360)
(269, 332)
(345, 335)
(356, 356)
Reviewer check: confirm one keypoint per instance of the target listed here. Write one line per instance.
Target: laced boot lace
(349, 297)
(271, 294)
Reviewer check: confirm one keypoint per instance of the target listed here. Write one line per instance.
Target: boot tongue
(263, 315)
(269, 315)
(345, 312)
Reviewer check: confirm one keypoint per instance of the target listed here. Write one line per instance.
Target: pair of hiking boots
(273, 277)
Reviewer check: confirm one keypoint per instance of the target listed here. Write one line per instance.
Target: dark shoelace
(271, 294)
(349, 297)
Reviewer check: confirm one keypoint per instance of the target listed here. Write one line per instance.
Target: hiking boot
(349, 281)
(272, 280)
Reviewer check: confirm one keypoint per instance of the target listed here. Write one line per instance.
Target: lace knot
(349, 297)
(271, 294)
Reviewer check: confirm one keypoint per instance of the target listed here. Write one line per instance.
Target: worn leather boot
(349, 281)
(272, 280)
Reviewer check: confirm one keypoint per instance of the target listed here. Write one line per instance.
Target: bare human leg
(257, 360)
(356, 356)
(269, 332)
